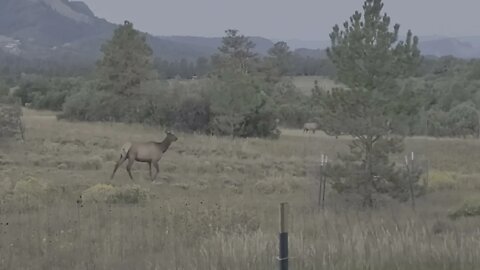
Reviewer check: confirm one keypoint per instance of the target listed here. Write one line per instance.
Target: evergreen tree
(202, 67)
(127, 61)
(238, 98)
(368, 58)
(236, 53)
(279, 61)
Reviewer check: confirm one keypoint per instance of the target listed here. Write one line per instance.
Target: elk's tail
(125, 149)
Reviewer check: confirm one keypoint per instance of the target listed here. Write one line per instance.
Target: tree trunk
(369, 187)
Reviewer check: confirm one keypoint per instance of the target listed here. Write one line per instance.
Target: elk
(146, 152)
(310, 127)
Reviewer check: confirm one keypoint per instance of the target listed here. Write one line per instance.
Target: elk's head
(170, 136)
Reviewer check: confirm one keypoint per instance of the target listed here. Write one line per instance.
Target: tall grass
(216, 205)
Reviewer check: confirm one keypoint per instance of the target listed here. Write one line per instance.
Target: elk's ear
(168, 132)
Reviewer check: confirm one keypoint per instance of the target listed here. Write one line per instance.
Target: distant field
(306, 83)
(215, 204)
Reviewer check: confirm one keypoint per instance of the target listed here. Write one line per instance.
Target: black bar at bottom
(283, 258)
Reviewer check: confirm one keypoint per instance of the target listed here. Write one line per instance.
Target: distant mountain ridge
(62, 29)
(56, 28)
(438, 46)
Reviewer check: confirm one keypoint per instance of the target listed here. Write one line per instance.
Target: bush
(43, 93)
(51, 100)
(293, 107)
(293, 116)
(437, 123)
(30, 193)
(10, 118)
(102, 193)
(469, 208)
(193, 114)
(92, 105)
(463, 120)
(260, 124)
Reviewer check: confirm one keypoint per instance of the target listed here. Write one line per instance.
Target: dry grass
(306, 83)
(215, 205)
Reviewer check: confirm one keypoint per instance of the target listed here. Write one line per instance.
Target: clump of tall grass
(29, 193)
(469, 208)
(102, 193)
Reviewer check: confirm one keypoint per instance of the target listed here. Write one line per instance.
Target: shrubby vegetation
(440, 98)
(236, 100)
(46, 93)
(11, 124)
(469, 208)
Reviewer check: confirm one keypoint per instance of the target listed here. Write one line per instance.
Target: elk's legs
(119, 162)
(150, 170)
(155, 164)
(129, 167)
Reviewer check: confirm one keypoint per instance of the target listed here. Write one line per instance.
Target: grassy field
(215, 204)
(306, 83)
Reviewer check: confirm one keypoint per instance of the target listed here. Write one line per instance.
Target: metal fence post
(283, 256)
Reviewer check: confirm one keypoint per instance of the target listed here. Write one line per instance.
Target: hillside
(52, 29)
(458, 47)
(62, 30)
(438, 46)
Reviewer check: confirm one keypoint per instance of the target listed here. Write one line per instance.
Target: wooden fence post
(283, 256)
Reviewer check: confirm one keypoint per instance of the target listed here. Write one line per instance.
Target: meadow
(306, 83)
(215, 204)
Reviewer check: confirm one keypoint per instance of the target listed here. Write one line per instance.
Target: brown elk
(310, 127)
(146, 152)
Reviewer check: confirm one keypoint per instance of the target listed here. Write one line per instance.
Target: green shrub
(30, 193)
(47, 93)
(260, 123)
(93, 105)
(469, 208)
(463, 120)
(130, 195)
(102, 193)
(76, 106)
(51, 100)
(10, 118)
(99, 193)
(193, 114)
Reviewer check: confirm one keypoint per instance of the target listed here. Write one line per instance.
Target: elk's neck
(164, 145)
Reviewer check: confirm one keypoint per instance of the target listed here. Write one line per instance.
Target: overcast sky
(285, 19)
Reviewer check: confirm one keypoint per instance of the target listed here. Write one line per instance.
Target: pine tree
(127, 61)
(369, 59)
(236, 53)
(279, 61)
(238, 98)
